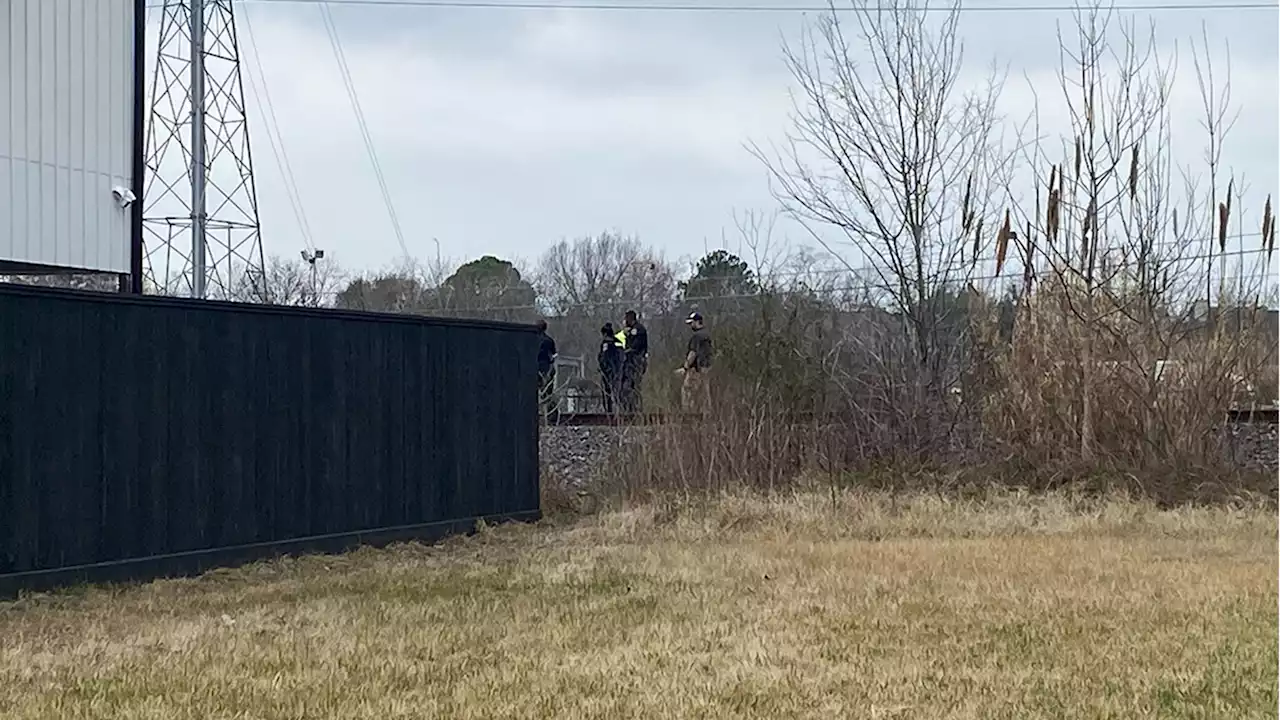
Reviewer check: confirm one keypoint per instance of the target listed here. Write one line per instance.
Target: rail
(1238, 416)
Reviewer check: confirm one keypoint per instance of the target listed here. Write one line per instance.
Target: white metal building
(68, 134)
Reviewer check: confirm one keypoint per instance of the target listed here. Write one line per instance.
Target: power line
(854, 287)
(345, 72)
(862, 280)
(1173, 259)
(739, 8)
(275, 139)
(1171, 245)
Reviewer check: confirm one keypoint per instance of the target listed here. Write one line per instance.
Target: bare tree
(599, 275)
(95, 282)
(410, 286)
(887, 149)
(289, 282)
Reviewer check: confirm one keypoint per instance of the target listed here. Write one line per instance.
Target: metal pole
(139, 161)
(198, 167)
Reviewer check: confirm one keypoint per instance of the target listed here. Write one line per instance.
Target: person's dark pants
(609, 391)
(632, 391)
(546, 387)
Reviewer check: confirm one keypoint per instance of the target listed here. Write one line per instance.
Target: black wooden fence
(141, 437)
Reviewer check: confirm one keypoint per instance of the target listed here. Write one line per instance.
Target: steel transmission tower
(200, 219)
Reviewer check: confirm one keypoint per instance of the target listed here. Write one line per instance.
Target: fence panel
(146, 436)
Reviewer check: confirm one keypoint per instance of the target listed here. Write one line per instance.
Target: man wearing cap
(695, 394)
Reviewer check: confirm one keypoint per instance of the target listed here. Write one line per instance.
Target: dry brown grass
(1016, 607)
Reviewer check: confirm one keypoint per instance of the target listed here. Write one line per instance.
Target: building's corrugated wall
(66, 132)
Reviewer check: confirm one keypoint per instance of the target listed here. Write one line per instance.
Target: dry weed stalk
(1110, 362)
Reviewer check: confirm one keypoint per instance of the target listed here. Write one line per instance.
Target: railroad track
(596, 419)
(1249, 416)
(1254, 416)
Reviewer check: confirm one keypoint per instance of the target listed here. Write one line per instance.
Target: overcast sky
(502, 131)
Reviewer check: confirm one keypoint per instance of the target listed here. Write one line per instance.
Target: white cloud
(505, 132)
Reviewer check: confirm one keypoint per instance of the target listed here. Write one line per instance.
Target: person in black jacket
(546, 366)
(610, 360)
(635, 362)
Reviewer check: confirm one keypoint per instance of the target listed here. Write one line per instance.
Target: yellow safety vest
(621, 338)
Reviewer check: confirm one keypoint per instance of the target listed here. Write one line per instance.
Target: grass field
(1015, 607)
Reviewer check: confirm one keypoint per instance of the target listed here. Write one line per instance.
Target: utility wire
(854, 287)
(1246, 253)
(345, 72)
(861, 282)
(276, 139)
(742, 8)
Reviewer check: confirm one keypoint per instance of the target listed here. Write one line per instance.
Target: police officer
(635, 362)
(610, 361)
